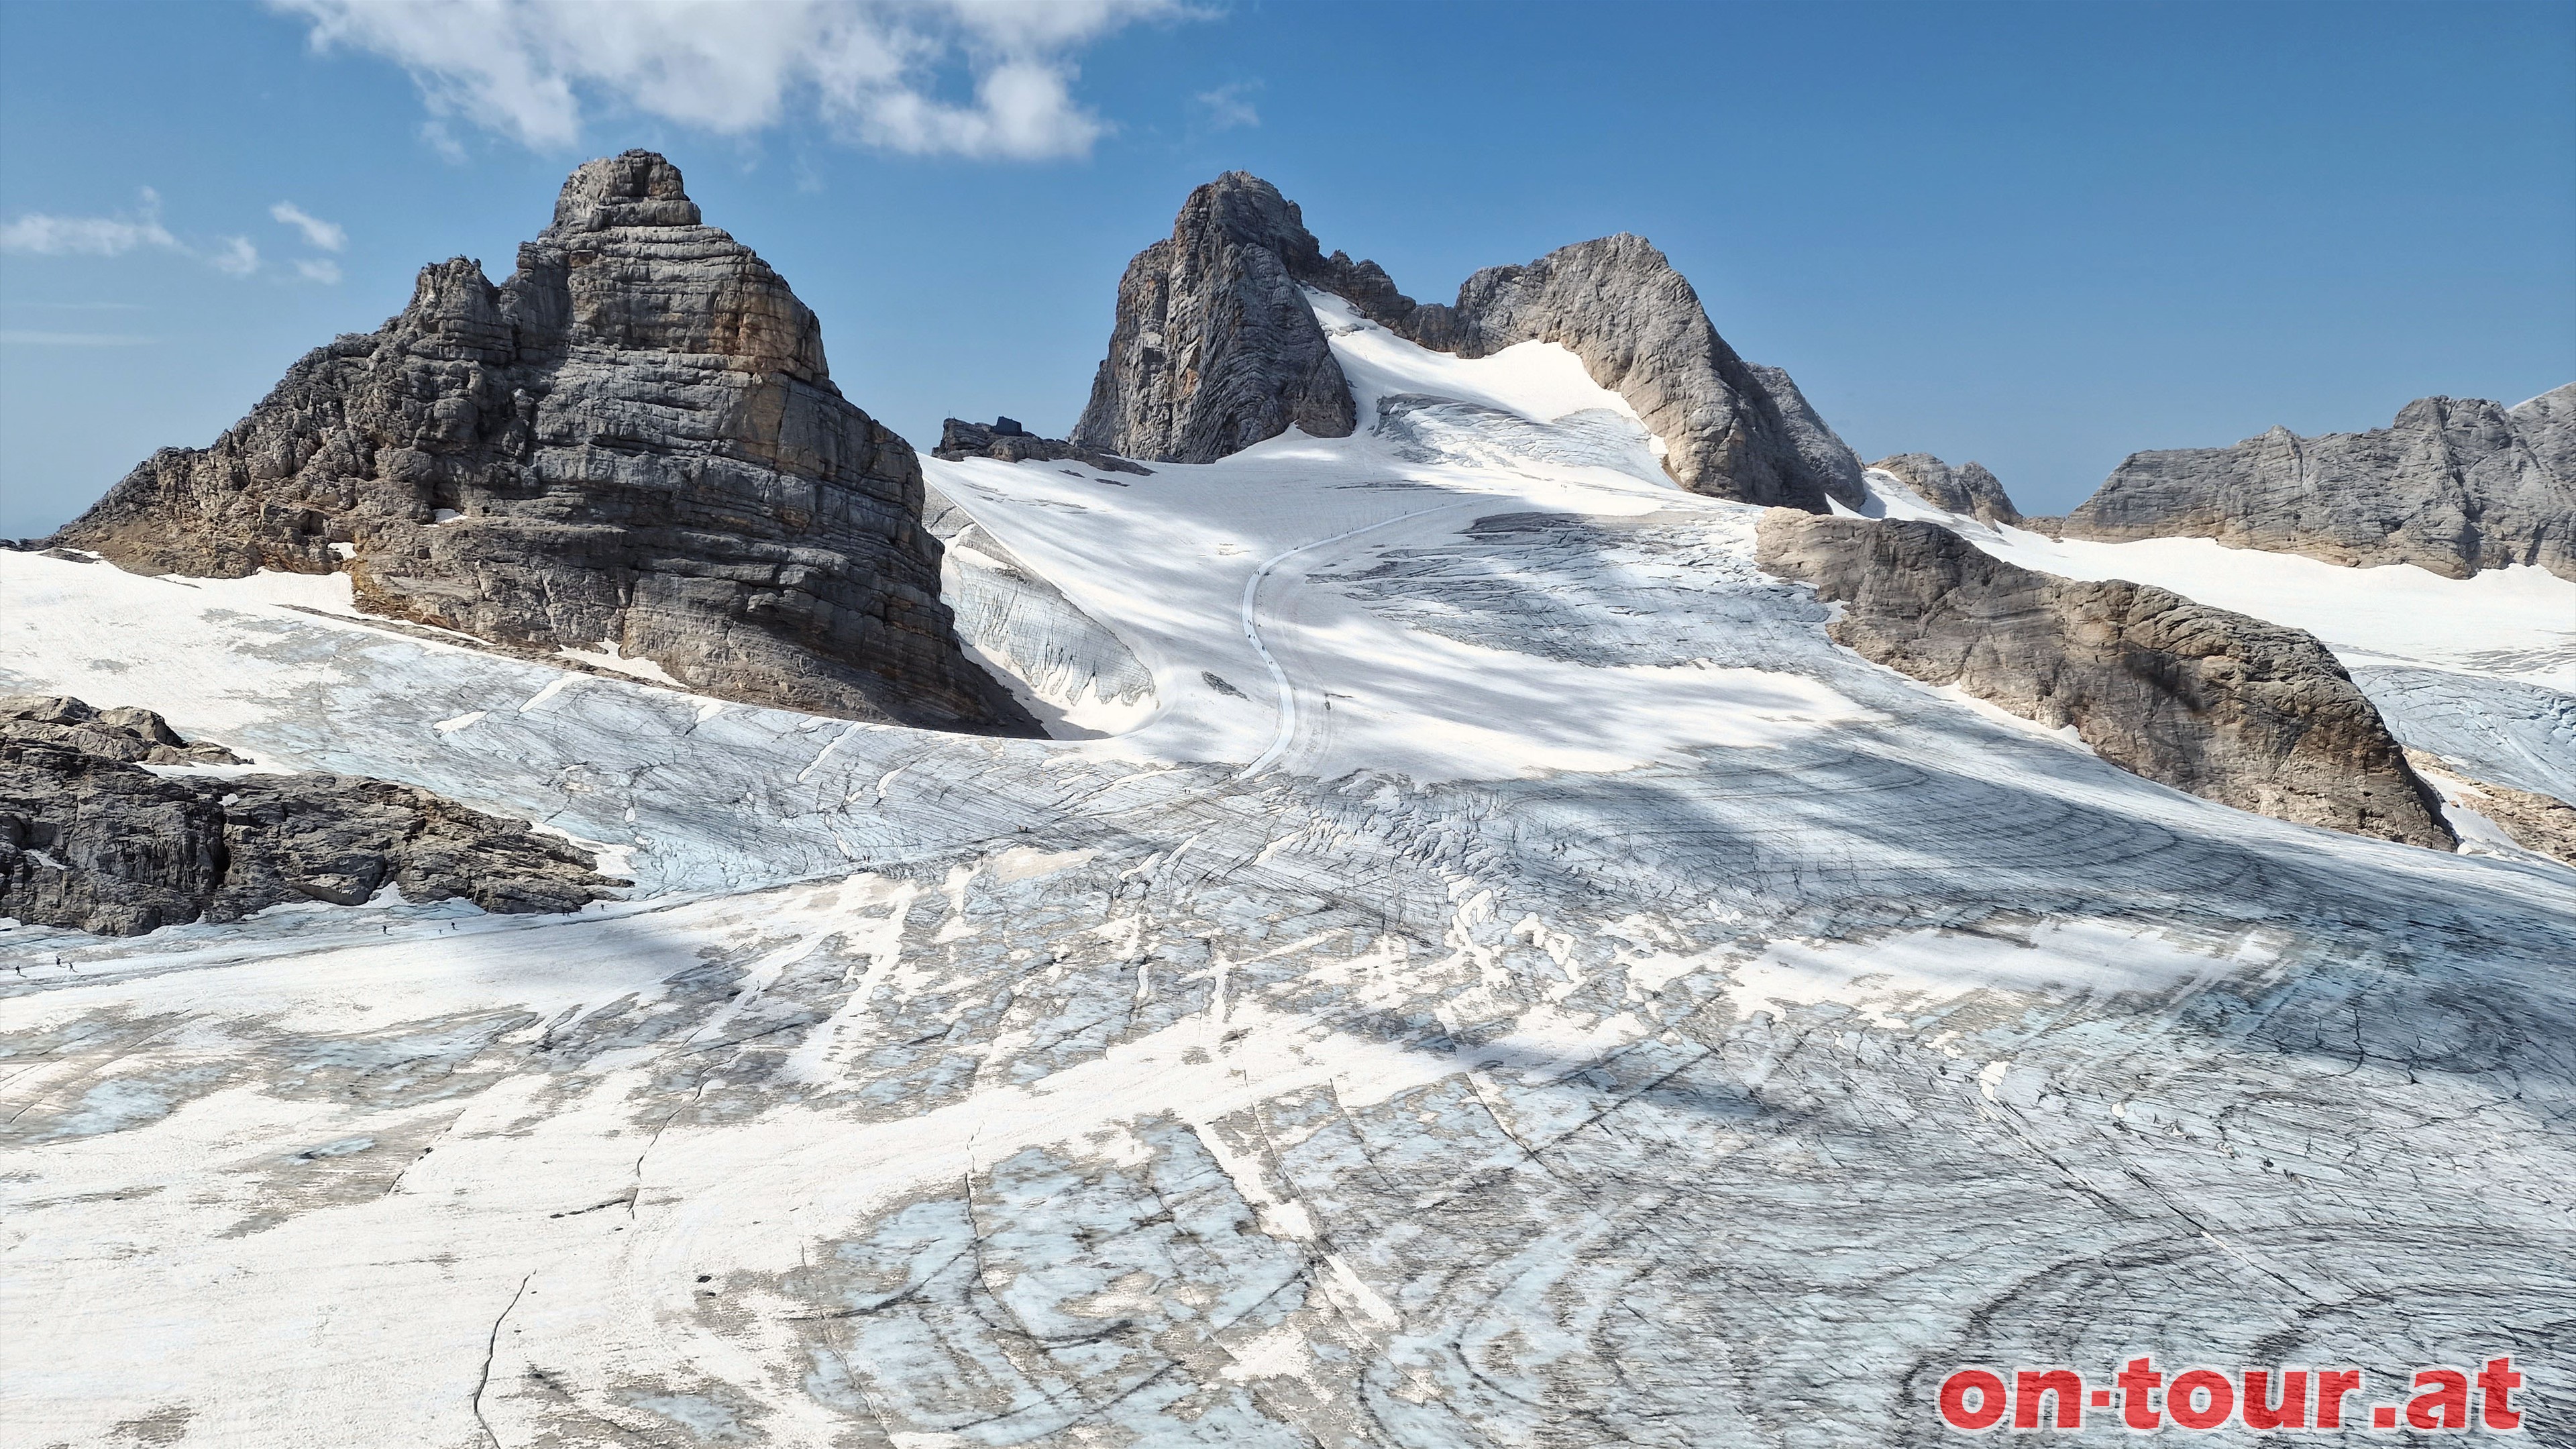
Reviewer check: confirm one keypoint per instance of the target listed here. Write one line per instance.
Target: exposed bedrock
(2541, 824)
(633, 443)
(1008, 442)
(2454, 485)
(2227, 707)
(93, 841)
(1968, 490)
(1214, 349)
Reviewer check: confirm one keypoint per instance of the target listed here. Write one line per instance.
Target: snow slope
(1520, 983)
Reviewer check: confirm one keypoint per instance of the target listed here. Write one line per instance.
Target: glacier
(1475, 965)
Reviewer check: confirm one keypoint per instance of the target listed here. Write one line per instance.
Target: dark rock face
(1968, 489)
(2227, 707)
(91, 841)
(1013, 444)
(634, 440)
(1215, 350)
(2454, 485)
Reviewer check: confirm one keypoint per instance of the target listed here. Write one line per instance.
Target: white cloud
(114, 236)
(329, 236)
(870, 68)
(90, 236)
(234, 256)
(319, 270)
(1227, 106)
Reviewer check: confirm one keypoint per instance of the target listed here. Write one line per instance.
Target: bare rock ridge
(1214, 349)
(633, 443)
(2227, 707)
(91, 840)
(1968, 490)
(2454, 485)
(1004, 439)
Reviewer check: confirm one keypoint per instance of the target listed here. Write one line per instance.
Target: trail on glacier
(1287, 694)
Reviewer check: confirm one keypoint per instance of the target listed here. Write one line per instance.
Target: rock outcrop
(2227, 707)
(1215, 349)
(1007, 441)
(2454, 485)
(633, 442)
(1968, 490)
(93, 841)
(2541, 824)
(126, 735)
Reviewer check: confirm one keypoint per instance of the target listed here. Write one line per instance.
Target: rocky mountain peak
(1215, 348)
(636, 188)
(633, 446)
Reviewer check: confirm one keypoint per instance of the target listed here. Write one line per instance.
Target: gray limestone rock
(959, 439)
(2454, 485)
(1215, 349)
(634, 442)
(127, 735)
(1968, 489)
(1730, 430)
(91, 840)
(2227, 707)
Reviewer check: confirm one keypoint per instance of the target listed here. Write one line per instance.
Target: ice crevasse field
(1476, 964)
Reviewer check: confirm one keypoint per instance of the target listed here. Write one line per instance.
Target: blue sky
(2040, 236)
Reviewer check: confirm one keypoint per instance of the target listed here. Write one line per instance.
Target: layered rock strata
(2224, 706)
(1008, 442)
(93, 841)
(2454, 485)
(632, 444)
(1968, 490)
(1215, 349)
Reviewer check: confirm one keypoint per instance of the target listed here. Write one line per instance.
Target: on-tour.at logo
(1976, 1398)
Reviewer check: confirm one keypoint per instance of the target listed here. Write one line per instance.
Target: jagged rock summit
(1215, 349)
(2454, 485)
(632, 445)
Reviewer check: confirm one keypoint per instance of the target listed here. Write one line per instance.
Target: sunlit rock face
(2454, 485)
(1214, 350)
(2216, 703)
(633, 446)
